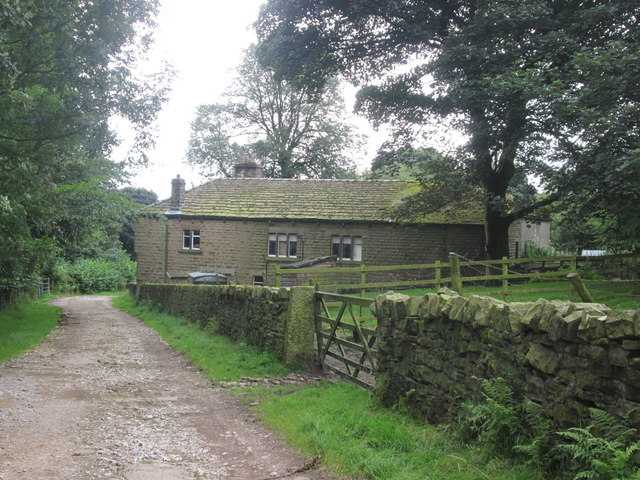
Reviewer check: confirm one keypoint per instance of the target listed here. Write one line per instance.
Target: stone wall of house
(566, 356)
(279, 320)
(149, 241)
(238, 248)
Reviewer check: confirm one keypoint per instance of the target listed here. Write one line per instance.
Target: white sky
(203, 40)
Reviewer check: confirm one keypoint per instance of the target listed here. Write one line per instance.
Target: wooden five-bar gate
(345, 346)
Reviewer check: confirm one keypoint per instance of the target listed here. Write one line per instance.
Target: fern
(607, 449)
(611, 428)
(540, 450)
(494, 423)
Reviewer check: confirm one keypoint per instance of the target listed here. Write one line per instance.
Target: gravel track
(104, 397)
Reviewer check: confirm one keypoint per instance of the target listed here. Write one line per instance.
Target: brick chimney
(177, 193)
(247, 170)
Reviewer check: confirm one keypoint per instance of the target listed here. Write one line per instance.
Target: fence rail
(458, 272)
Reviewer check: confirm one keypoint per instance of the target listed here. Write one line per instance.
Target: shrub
(111, 271)
(96, 275)
(532, 249)
(63, 278)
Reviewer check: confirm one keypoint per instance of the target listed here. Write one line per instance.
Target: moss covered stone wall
(566, 356)
(275, 319)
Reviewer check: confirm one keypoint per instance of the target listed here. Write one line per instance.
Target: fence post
(580, 287)
(278, 277)
(505, 281)
(363, 291)
(438, 274)
(456, 280)
(574, 264)
(634, 268)
(621, 269)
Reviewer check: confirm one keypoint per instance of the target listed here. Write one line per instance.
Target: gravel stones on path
(104, 397)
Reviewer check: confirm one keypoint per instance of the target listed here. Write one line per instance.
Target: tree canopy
(66, 70)
(545, 91)
(292, 131)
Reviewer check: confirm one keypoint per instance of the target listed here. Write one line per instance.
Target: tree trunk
(286, 164)
(496, 230)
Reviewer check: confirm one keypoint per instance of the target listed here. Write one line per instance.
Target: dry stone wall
(433, 350)
(274, 319)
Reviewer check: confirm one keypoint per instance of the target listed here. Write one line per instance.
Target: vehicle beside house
(243, 227)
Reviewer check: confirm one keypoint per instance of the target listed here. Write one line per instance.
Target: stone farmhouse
(243, 227)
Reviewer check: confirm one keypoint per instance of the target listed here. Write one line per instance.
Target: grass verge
(221, 358)
(358, 439)
(24, 325)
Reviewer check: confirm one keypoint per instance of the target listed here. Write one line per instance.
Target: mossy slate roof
(295, 199)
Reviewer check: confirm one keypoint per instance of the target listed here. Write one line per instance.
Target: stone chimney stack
(177, 193)
(247, 170)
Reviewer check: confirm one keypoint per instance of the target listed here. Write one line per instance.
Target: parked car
(207, 278)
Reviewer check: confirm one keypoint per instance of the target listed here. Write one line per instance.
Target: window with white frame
(345, 247)
(191, 239)
(283, 245)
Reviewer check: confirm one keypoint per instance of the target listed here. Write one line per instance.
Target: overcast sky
(203, 40)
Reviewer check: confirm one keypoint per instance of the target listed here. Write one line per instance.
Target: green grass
(24, 325)
(221, 358)
(355, 438)
(620, 296)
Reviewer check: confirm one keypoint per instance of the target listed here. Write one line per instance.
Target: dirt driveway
(105, 398)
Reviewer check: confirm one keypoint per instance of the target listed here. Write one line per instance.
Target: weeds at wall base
(605, 448)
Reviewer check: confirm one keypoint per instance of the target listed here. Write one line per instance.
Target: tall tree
(67, 69)
(291, 131)
(537, 86)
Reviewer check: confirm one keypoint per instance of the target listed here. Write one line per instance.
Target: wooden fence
(458, 272)
(11, 296)
(346, 337)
